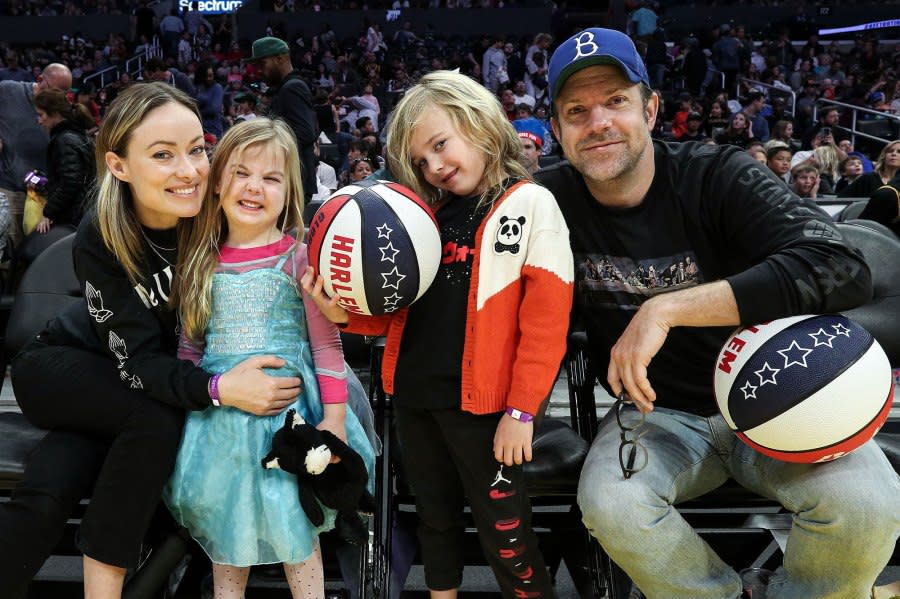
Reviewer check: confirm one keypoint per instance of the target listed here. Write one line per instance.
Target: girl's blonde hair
(194, 291)
(116, 217)
(478, 116)
(879, 164)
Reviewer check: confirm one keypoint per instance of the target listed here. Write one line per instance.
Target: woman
(737, 133)
(70, 171)
(886, 167)
(211, 100)
(103, 376)
(717, 118)
(884, 206)
(324, 80)
(784, 131)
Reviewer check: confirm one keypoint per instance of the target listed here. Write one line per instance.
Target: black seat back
(48, 287)
(851, 211)
(882, 253)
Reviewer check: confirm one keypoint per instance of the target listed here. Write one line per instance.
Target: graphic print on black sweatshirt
(624, 283)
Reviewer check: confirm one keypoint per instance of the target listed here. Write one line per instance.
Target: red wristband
(214, 390)
(519, 415)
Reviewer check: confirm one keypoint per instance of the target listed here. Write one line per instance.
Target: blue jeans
(846, 512)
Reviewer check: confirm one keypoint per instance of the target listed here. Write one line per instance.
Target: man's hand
(632, 353)
(249, 389)
(512, 441)
(707, 305)
(313, 286)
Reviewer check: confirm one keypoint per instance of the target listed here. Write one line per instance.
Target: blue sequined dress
(239, 512)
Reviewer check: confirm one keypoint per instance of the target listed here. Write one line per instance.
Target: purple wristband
(519, 415)
(214, 390)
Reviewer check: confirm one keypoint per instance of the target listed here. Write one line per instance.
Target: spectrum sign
(211, 7)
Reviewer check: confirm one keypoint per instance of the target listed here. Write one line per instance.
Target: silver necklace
(157, 248)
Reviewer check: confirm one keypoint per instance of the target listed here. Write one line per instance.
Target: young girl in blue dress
(242, 299)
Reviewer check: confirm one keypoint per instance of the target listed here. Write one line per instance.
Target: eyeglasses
(633, 456)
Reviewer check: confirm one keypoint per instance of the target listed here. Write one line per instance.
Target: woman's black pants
(113, 444)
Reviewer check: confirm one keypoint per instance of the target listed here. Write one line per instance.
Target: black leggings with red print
(448, 458)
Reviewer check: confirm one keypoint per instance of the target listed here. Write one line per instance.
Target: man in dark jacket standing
(292, 102)
(739, 249)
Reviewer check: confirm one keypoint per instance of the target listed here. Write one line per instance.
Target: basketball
(377, 245)
(805, 388)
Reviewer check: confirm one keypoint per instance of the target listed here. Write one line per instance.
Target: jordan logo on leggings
(501, 490)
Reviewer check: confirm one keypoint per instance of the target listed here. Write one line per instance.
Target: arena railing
(774, 90)
(106, 77)
(892, 120)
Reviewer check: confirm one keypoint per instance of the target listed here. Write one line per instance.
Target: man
(23, 143)
(493, 66)
(829, 121)
(846, 145)
(521, 96)
(292, 101)
(756, 102)
(531, 133)
(726, 55)
(757, 253)
(158, 70)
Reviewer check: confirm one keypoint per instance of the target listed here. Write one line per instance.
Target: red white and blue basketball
(805, 388)
(377, 245)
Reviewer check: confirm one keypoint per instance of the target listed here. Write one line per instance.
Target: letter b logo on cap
(584, 45)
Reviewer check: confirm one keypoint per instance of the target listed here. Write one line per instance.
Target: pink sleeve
(325, 341)
(190, 350)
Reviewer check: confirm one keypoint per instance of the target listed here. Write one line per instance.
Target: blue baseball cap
(592, 47)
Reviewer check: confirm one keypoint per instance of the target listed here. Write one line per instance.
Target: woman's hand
(44, 225)
(248, 388)
(512, 441)
(313, 285)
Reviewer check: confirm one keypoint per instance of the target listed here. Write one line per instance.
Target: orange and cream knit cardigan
(520, 299)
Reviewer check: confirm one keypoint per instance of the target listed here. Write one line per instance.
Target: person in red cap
(687, 242)
(531, 150)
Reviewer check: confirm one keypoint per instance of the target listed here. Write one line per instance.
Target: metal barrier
(774, 90)
(112, 73)
(892, 120)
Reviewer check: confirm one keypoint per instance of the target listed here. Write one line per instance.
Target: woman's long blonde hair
(478, 116)
(879, 164)
(116, 217)
(193, 285)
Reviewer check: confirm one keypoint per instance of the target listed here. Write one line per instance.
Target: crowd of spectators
(709, 83)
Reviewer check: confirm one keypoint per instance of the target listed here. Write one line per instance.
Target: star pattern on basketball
(388, 252)
(840, 329)
(749, 390)
(795, 354)
(390, 302)
(392, 279)
(769, 374)
(822, 337)
(384, 231)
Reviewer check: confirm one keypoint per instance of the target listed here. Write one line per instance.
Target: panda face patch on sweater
(508, 235)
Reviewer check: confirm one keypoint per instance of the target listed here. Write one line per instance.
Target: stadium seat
(851, 211)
